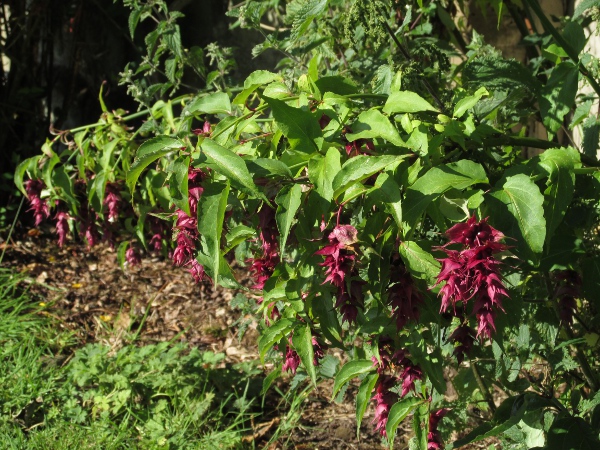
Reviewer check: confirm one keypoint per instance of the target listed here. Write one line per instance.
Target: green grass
(54, 395)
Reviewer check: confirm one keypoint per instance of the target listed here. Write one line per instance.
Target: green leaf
(272, 335)
(262, 167)
(211, 213)
(323, 170)
(121, 254)
(398, 413)
(516, 209)
(237, 235)
(288, 201)
(336, 84)
(360, 168)
(302, 342)
(558, 163)
(557, 97)
(324, 310)
(392, 197)
(459, 175)
(150, 151)
(419, 262)
(178, 182)
(215, 103)
(231, 165)
(572, 433)
(363, 397)
(421, 426)
(406, 102)
(372, 124)
(134, 19)
(299, 126)
(25, 166)
(584, 6)
(255, 80)
(349, 371)
(591, 136)
(467, 103)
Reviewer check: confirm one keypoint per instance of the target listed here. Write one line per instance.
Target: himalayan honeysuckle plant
(379, 196)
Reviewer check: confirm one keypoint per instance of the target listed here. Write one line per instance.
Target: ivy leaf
(211, 213)
(299, 126)
(406, 102)
(363, 397)
(558, 95)
(516, 208)
(558, 163)
(302, 342)
(372, 124)
(349, 371)
(398, 413)
(150, 151)
(288, 201)
(360, 168)
(231, 165)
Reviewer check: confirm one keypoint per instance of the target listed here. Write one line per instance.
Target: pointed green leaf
(558, 95)
(215, 103)
(302, 342)
(272, 335)
(255, 80)
(323, 310)
(299, 126)
(288, 201)
(365, 391)
(419, 262)
(372, 124)
(178, 182)
(231, 165)
(349, 371)
(322, 171)
(516, 208)
(150, 151)
(211, 213)
(336, 84)
(360, 168)
(406, 102)
(398, 413)
(392, 196)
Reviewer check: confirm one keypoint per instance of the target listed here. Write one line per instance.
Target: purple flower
(197, 271)
(132, 256)
(62, 226)
(87, 227)
(185, 248)
(318, 351)
(349, 301)
(205, 131)
(40, 208)
(434, 437)
(473, 272)
(384, 399)
(464, 336)
(112, 201)
(403, 297)
(262, 267)
(292, 359)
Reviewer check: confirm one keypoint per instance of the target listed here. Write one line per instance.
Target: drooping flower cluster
(62, 226)
(186, 228)
(132, 256)
(112, 201)
(262, 267)
(40, 208)
(473, 272)
(393, 368)
(292, 359)
(567, 288)
(339, 262)
(463, 338)
(403, 295)
(434, 437)
(355, 148)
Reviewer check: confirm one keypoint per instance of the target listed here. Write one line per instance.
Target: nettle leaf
(398, 412)
(559, 164)
(272, 335)
(351, 370)
(231, 165)
(323, 170)
(372, 124)
(150, 151)
(288, 201)
(365, 391)
(557, 97)
(419, 262)
(516, 208)
(215, 103)
(211, 214)
(302, 342)
(299, 126)
(406, 102)
(255, 80)
(572, 433)
(459, 175)
(360, 168)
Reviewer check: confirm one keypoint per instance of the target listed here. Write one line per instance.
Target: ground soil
(87, 291)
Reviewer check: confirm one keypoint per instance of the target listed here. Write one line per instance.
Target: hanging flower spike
(434, 437)
(464, 336)
(112, 201)
(197, 271)
(384, 399)
(62, 227)
(262, 267)
(132, 257)
(40, 208)
(185, 248)
(403, 297)
(473, 272)
(292, 359)
(338, 256)
(318, 351)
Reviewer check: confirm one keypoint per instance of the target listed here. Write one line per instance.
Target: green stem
(483, 388)
(12, 227)
(136, 115)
